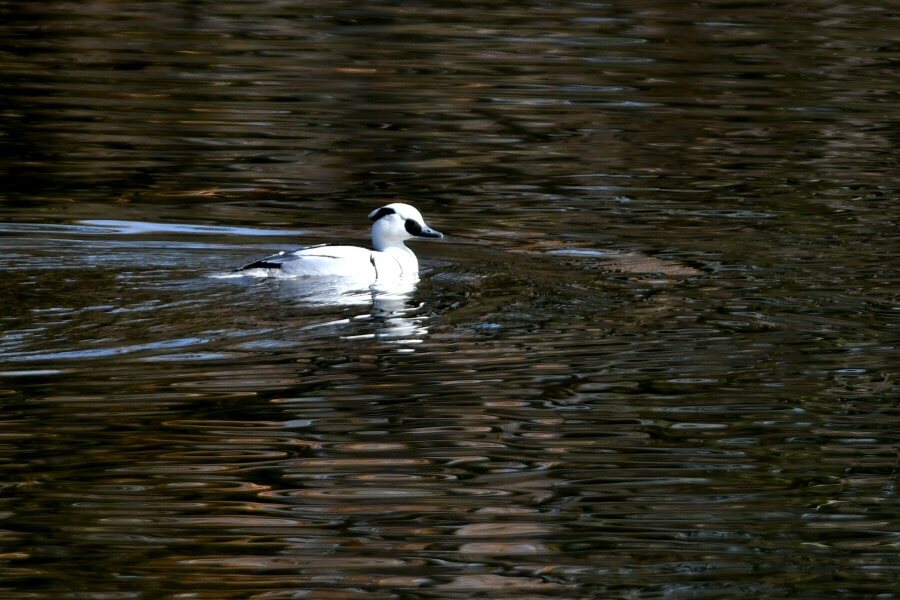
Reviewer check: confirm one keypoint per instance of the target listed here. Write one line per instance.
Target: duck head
(395, 223)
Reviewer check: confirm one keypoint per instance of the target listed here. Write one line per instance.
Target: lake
(655, 355)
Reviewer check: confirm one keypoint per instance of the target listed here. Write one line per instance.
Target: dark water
(655, 357)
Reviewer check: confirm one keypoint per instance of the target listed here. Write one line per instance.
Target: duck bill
(428, 232)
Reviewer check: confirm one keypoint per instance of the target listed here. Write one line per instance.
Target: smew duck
(392, 225)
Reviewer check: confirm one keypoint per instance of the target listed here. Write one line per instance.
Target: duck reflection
(398, 319)
(394, 316)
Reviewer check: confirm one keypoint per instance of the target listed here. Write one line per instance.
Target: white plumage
(390, 260)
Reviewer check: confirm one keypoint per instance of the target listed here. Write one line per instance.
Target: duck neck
(381, 244)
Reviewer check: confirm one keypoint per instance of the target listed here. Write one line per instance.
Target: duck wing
(276, 261)
(325, 260)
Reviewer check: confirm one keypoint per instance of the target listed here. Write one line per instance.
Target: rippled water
(655, 357)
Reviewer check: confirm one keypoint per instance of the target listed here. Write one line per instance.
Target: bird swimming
(390, 260)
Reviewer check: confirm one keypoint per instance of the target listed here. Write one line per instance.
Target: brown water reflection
(655, 356)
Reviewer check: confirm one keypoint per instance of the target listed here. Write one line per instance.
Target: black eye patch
(381, 212)
(413, 227)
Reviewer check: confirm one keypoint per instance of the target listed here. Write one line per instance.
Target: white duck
(390, 260)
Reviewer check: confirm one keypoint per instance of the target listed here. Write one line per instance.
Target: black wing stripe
(261, 264)
(269, 262)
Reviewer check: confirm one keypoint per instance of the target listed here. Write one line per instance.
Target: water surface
(655, 357)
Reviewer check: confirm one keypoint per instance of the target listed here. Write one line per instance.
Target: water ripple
(654, 356)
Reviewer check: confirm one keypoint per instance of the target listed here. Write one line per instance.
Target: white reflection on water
(393, 317)
(335, 291)
(399, 322)
(138, 227)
